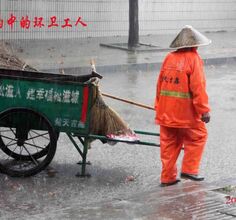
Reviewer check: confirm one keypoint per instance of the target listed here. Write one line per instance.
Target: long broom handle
(128, 101)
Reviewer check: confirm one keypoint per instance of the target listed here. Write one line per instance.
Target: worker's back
(180, 76)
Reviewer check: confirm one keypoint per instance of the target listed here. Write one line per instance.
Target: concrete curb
(135, 66)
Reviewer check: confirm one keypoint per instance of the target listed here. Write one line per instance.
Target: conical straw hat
(189, 37)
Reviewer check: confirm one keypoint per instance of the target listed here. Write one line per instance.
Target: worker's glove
(206, 117)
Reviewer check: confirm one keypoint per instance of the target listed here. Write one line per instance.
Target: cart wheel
(28, 142)
(16, 155)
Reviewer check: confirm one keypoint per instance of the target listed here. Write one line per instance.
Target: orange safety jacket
(181, 96)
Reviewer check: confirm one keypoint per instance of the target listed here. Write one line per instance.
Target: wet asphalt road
(112, 164)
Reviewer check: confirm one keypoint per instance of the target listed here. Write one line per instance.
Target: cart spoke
(38, 135)
(5, 130)
(21, 149)
(11, 144)
(32, 140)
(35, 161)
(8, 138)
(34, 145)
(13, 131)
(12, 152)
(8, 130)
(9, 156)
(8, 145)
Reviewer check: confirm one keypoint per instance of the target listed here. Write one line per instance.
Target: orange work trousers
(172, 140)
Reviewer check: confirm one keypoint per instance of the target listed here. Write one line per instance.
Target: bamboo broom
(104, 120)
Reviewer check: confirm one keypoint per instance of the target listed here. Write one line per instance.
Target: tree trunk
(133, 24)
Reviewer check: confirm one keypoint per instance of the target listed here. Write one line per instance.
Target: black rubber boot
(169, 184)
(193, 177)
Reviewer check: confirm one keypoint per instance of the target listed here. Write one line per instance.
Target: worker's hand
(206, 117)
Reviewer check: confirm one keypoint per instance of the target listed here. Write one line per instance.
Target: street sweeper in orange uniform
(182, 107)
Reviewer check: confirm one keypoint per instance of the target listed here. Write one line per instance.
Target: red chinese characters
(11, 20)
(79, 21)
(38, 22)
(1, 23)
(53, 22)
(25, 22)
(67, 24)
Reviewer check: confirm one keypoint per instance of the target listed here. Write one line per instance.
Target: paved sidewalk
(73, 55)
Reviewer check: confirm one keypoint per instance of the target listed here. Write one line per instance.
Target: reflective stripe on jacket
(181, 96)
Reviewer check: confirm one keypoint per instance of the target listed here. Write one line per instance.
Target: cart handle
(100, 137)
(146, 133)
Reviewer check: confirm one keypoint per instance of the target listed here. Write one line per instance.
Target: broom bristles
(104, 120)
(115, 125)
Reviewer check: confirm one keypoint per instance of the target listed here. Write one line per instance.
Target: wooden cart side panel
(67, 106)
